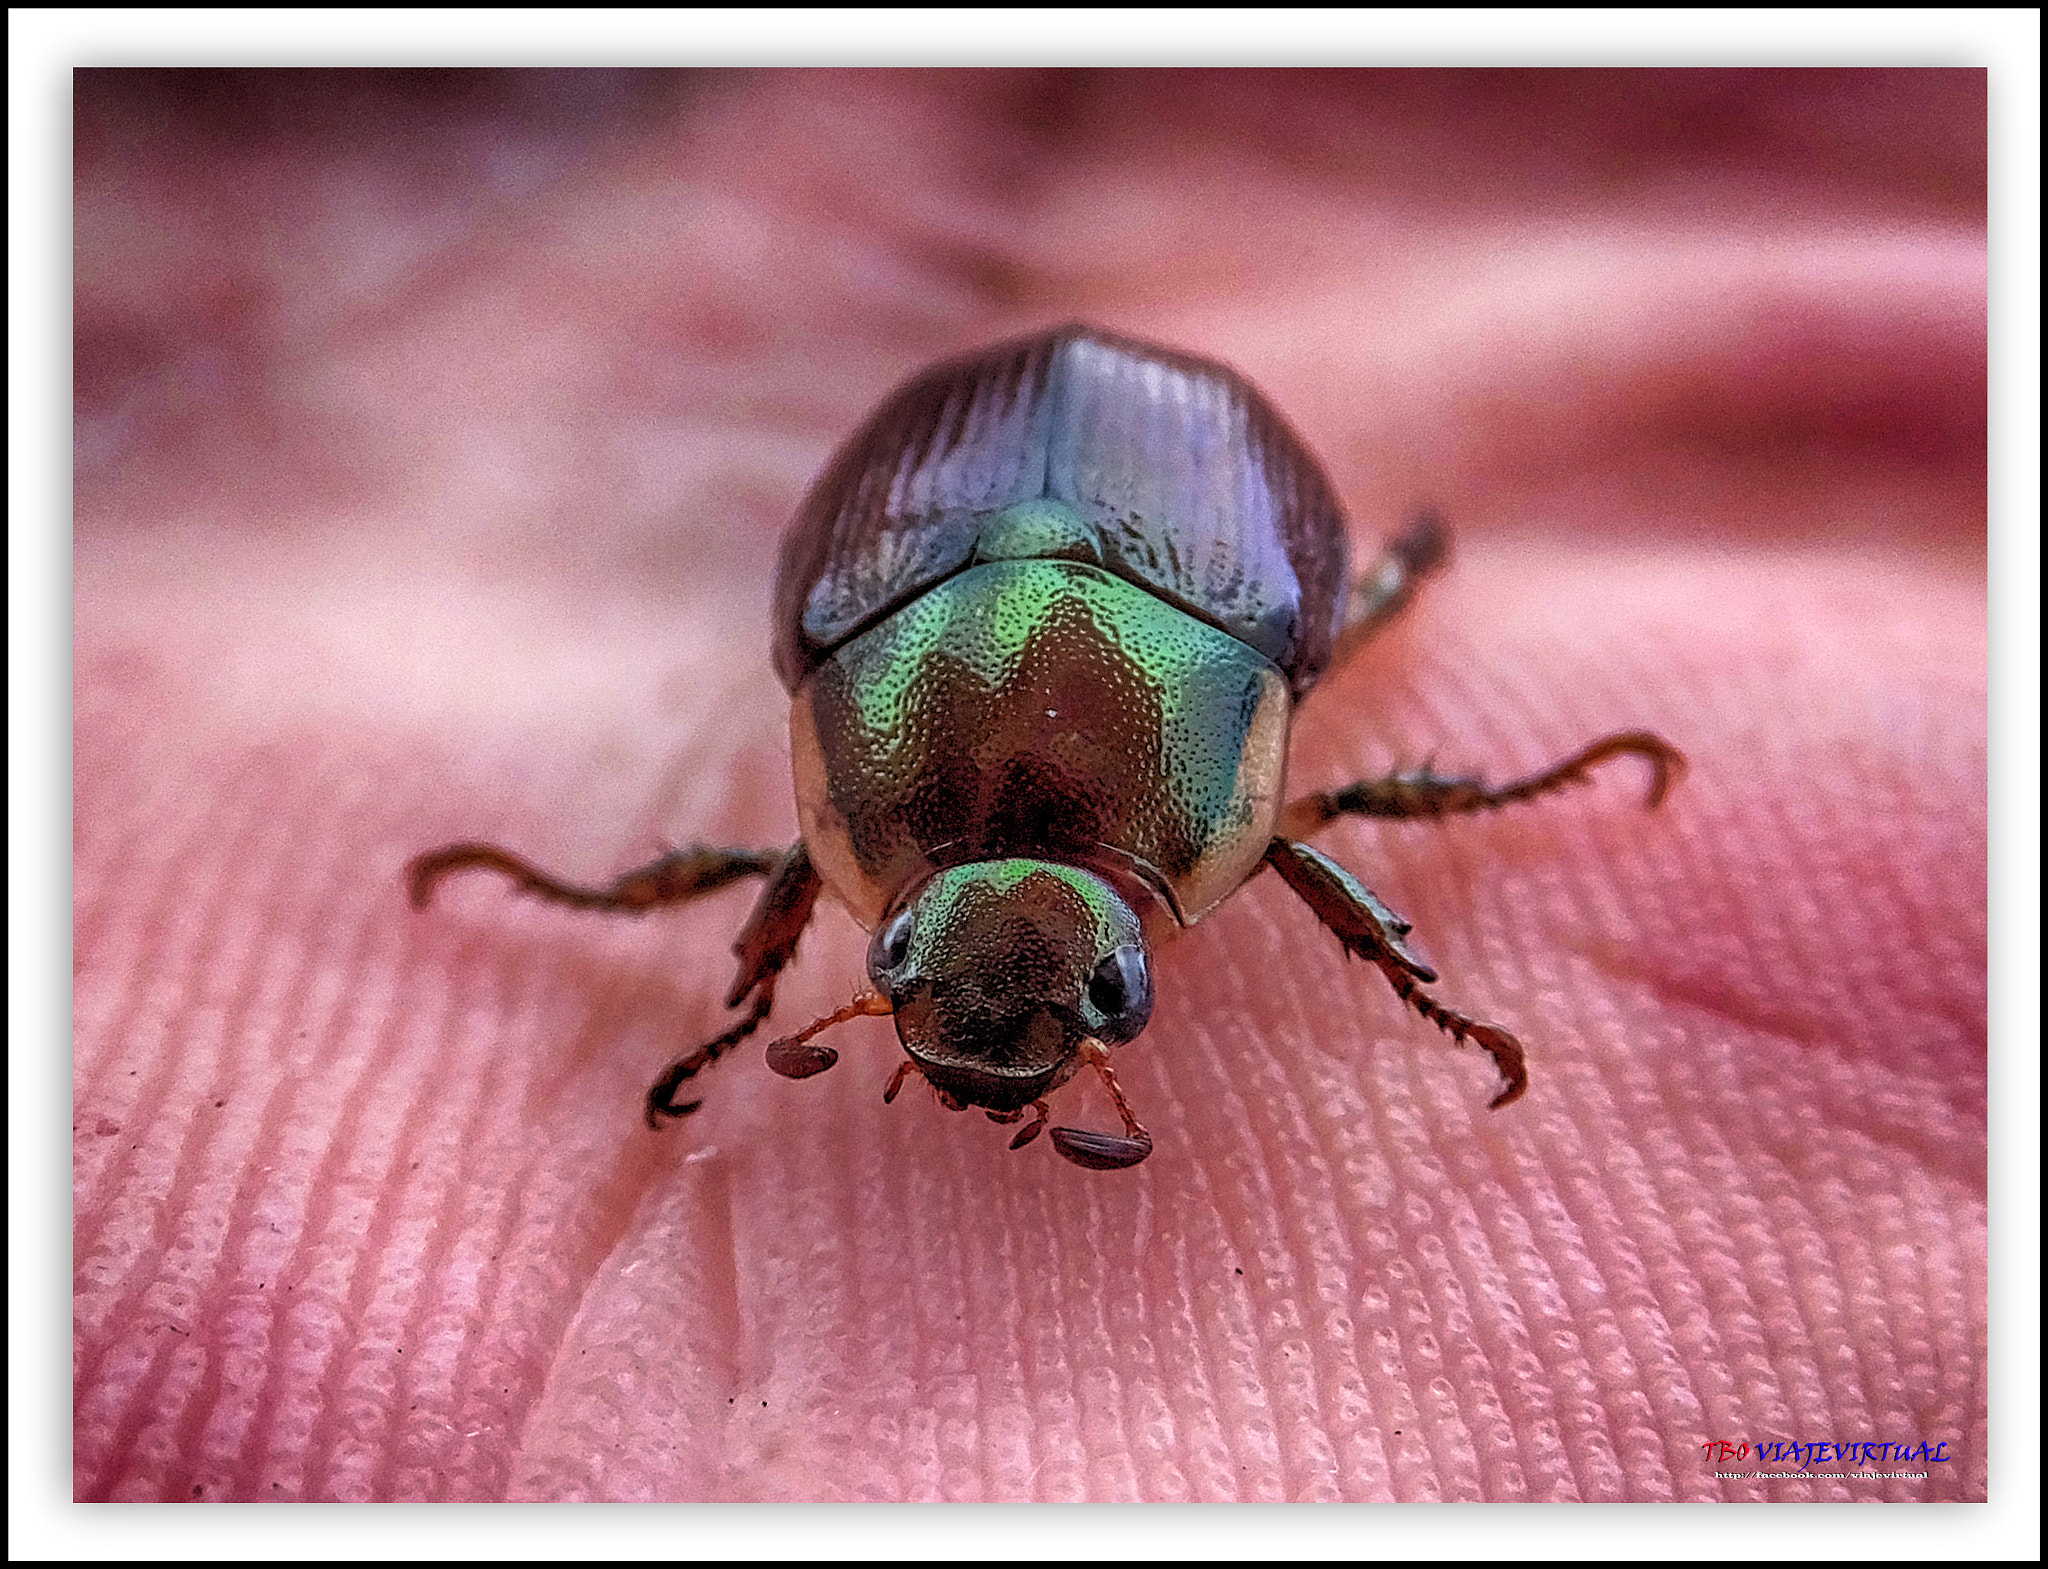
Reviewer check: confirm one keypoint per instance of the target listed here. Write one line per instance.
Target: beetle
(1044, 620)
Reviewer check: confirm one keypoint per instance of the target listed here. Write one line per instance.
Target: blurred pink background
(433, 433)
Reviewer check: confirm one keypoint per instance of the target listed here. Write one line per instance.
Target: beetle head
(998, 972)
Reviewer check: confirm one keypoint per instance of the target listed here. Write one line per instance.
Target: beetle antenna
(795, 1058)
(1103, 1151)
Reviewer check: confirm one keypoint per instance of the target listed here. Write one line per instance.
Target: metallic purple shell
(1193, 485)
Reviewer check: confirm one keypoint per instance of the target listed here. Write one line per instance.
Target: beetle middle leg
(1373, 932)
(1426, 793)
(677, 878)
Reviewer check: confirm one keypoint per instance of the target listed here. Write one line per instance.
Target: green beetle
(1044, 620)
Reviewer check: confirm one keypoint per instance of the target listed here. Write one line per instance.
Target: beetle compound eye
(1107, 990)
(890, 948)
(1121, 991)
(896, 941)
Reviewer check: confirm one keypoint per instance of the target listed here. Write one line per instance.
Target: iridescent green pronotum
(1044, 621)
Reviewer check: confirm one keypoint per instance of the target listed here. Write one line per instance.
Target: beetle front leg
(1370, 930)
(765, 945)
(1425, 793)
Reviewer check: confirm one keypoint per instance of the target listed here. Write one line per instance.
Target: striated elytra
(1044, 621)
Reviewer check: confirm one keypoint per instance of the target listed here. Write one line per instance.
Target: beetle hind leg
(1367, 928)
(1387, 587)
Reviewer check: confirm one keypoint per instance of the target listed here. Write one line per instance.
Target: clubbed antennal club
(1102, 1151)
(795, 1058)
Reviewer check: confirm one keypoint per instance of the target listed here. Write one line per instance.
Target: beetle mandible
(1044, 621)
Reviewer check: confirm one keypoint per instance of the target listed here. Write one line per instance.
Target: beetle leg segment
(765, 945)
(1351, 910)
(1100, 1151)
(768, 941)
(661, 1095)
(1496, 1042)
(1425, 793)
(677, 878)
(904, 1070)
(1370, 930)
(1387, 587)
(793, 1058)
(1040, 1112)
